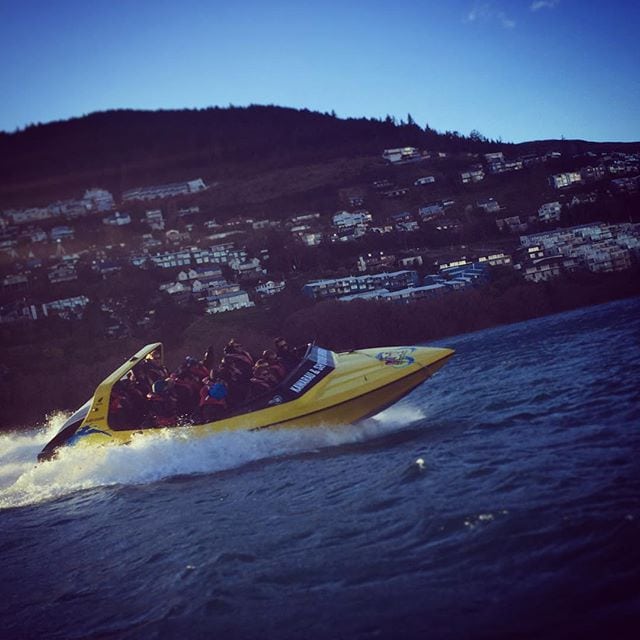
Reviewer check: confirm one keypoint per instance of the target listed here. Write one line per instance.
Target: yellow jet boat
(326, 388)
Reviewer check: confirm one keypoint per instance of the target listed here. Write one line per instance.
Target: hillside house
(165, 190)
(373, 261)
(106, 267)
(67, 308)
(98, 200)
(495, 156)
(34, 235)
(166, 260)
(15, 282)
(61, 233)
(543, 269)
(626, 185)
(404, 155)
(154, 219)
(228, 302)
(344, 220)
(472, 175)
(448, 224)
(270, 288)
(261, 225)
(593, 174)
(496, 259)
(31, 215)
(179, 291)
(334, 288)
(62, 273)
(410, 261)
(488, 205)
(430, 211)
(550, 212)
(402, 216)
(355, 200)
(203, 273)
(187, 212)
(567, 179)
(305, 218)
(310, 238)
(504, 167)
(512, 224)
(117, 219)
(412, 294)
(381, 229)
(583, 198)
(453, 264)
(381, 185)
(247, 268)
(398, 192)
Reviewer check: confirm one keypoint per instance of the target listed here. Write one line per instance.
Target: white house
(344, 219)
(403, 155)
(270, 288)
(488, 205)
(165, 190)
(474, 174)
(117, 219)
(550, 212)
(154, 219)
(229, 302)
(98, 199)
(562, 180)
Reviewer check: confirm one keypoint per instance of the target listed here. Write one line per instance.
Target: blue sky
(512, 69)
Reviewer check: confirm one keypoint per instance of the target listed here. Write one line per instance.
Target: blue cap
(218, 391)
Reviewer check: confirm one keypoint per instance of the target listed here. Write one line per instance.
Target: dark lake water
(499, 500)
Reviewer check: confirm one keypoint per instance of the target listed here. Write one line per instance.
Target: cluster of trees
(123, 148)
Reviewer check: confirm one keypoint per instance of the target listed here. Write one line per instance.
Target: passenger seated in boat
(237, 384)
(240, 357)
(275, 365)
(122, 411)
(155, 369)
(161, 403)
(185, 391)
(289, 357)
(213, 399)
(209, 358)
(262, 379)
(195, 368)
(140, 378)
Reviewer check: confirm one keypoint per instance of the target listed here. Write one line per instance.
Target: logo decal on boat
(398, 358)
(85, 431)
(308, 377)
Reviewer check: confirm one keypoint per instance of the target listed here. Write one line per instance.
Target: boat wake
(164, 454)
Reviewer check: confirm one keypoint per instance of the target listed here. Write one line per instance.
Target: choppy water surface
(500, 499)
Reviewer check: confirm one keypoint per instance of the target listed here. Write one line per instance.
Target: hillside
(288, 197)
(125, 148)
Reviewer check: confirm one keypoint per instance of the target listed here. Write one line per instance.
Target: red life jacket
(198, 371)
(243, 360)
(163, 409)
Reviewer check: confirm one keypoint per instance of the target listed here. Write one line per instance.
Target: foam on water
(162, 454)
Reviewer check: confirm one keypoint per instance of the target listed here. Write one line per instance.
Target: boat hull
(338, 389)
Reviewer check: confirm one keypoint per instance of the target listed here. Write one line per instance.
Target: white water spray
(161, 454)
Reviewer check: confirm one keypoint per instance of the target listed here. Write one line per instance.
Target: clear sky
(511, 69)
